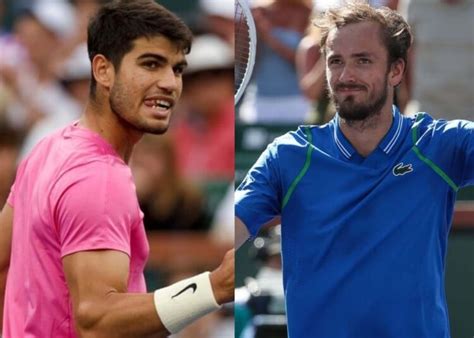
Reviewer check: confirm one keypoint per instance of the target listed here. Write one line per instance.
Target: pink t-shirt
(72, 193)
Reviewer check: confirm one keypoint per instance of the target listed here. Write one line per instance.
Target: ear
(103, 71)
(397, 70)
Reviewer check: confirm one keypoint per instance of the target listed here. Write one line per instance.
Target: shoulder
(303, 136)
(425, 127)
(95, 173)
(95, 190)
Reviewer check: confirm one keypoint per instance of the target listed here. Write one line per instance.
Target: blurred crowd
(184, 179)
(288, 88)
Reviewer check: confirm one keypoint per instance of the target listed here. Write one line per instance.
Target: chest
(334, 193)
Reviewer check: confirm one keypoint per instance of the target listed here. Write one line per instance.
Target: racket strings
(242, 47)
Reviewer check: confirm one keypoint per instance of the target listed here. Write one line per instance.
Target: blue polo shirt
(363, 239)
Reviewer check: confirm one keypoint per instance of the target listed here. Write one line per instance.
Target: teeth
(162, 104)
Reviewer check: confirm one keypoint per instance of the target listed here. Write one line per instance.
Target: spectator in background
(74, 75)
(274, 95)
(311, 69)
(261, 300)
(10, 140)
(162, 193)
(440, 79)
(27, 65)
(219, 18)
(85, 9)
(2, 14)
(204, 135)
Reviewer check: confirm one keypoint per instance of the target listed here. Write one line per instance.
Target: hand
(262, 23)
(223, 279)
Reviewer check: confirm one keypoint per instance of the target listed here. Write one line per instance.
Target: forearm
(102, 307)
(168, 309)
(120, 315)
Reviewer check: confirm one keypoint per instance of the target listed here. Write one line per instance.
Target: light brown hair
(395, 32)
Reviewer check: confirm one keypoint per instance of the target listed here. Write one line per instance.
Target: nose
(347, 75)
(168, 80)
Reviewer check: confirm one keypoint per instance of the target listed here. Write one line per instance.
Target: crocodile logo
(402, 169)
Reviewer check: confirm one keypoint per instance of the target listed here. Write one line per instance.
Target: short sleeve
(11, 196)
(96, 208)
(258, 198)
(465, 136)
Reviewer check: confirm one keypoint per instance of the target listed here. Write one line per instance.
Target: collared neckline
(386, 145)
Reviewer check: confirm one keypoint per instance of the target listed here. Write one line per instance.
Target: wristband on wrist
(180, 304)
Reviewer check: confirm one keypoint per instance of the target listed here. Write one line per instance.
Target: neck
(100, 119)
(366, 135)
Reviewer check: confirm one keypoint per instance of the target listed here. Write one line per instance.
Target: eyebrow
(362, 54)
(354, 55)
(162, 59)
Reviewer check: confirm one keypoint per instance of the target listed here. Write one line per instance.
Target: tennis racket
(245, 47)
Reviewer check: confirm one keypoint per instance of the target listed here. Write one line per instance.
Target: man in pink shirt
(72, 242)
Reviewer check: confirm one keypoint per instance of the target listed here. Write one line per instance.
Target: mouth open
(159, 107)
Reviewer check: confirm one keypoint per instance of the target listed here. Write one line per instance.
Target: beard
(351, 111)
(122, 106)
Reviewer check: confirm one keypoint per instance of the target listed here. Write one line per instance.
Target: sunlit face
(358, 71)
(148, 84)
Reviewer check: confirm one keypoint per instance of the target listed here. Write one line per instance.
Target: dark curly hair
(118, 23)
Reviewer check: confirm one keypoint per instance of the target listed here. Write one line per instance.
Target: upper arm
(258, 198)
(103, 222)
(242, 233)
(6, 226)
(92, 276)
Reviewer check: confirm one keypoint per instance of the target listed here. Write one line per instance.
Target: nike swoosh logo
(192, 286)
(401, 169)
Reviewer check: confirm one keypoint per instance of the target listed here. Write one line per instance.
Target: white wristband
(180, 304)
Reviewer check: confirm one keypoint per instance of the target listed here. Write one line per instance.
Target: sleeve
(465, 150)
(258, 198)
(11, 196)
(96, 208)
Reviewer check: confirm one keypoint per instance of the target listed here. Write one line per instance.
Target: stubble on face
(352, 111)
(361, 91)
(147, 84)
(121, 106)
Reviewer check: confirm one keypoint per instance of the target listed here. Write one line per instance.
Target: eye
(364, 61)
(179, 70)
(335, 61)
(151, 64)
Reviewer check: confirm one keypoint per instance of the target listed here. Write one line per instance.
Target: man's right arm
(97, 281)
(242, 234)
(256, 200)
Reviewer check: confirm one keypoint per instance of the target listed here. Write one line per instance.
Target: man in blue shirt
(365, 201)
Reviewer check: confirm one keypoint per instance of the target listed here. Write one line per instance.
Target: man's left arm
(6, 225)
